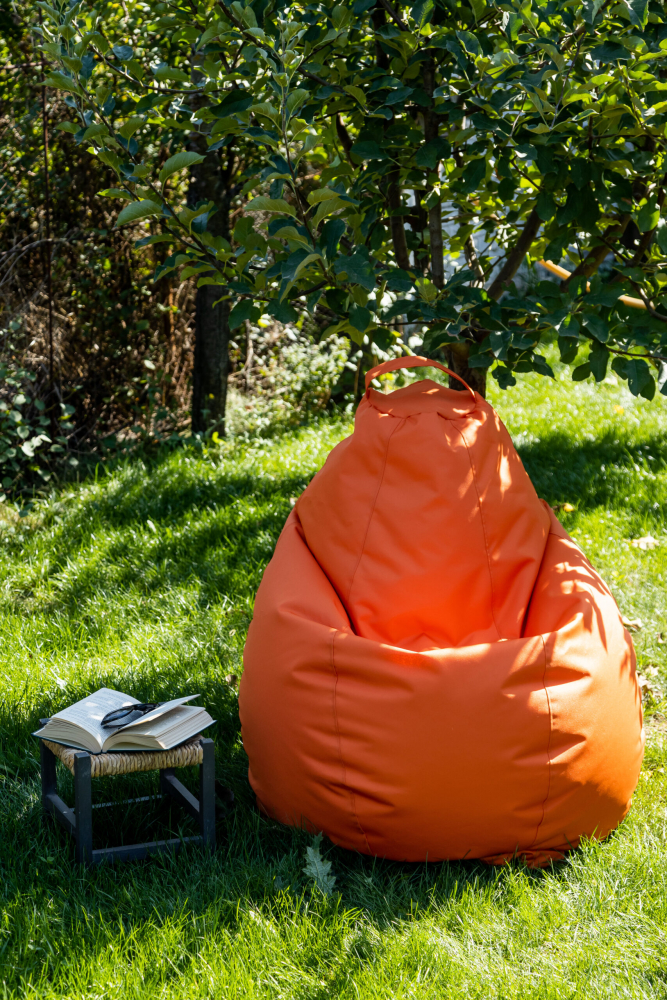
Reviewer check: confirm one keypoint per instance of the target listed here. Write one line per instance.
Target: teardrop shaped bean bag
(434, 669)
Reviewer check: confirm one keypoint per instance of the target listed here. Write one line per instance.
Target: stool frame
(78, 822)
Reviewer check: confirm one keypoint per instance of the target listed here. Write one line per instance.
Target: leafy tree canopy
(406, 161)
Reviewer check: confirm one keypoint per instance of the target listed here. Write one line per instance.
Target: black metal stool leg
(207, 794)
(48, 768)
(83, 808)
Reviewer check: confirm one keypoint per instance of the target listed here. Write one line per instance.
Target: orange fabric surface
(434, 669)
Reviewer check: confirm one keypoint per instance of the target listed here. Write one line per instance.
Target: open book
(162, 728)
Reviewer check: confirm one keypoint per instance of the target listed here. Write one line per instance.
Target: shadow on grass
(597, 473)
(160, 533)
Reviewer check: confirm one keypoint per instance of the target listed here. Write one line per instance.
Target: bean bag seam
(340, 746)
(551, 727)
(486, 542)
(375, 498)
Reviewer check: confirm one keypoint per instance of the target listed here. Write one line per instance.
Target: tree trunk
(210, 181)
(457, 359)
(211, 361)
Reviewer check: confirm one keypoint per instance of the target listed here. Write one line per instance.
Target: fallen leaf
(633, 625)
(649, 690)
(568, 507)
(619, 409)
(231, 679)
(645, 543)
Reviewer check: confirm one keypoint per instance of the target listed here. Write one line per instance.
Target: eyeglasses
(124, 716)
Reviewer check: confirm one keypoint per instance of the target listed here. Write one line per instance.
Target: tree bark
(457, 360)
(396, 221)
(210, 181)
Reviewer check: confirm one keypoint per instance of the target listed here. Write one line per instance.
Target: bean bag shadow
(434, 669)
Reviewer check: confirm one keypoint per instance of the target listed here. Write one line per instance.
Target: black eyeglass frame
(110, 720)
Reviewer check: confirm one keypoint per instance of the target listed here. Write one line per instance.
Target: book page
(184, 723)
(157, 712)
(157, 727)
(89, 712)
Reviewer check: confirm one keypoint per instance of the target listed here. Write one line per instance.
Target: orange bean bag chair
(434, 669)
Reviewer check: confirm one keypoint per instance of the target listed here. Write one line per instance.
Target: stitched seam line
(375, 499)
(340, 747)
(486, 541)
(546, 797)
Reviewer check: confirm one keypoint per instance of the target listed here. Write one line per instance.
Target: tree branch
(394, 16)
(594, 258)
(515, 257)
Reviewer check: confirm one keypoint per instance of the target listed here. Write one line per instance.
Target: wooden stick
(562, 273)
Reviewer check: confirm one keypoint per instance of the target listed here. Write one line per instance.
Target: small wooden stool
(86, 766)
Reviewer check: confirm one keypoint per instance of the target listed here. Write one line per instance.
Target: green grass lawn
(143, 580)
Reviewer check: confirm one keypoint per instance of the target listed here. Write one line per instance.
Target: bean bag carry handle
(412, 361)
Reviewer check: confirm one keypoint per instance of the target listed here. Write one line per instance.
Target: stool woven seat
(131, 761)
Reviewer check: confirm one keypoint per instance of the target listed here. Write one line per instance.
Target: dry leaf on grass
(633, 625)
(650, 689)
(648, 542)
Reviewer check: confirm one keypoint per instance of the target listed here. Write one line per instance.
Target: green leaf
(469, 42)
(638, 374)
(399, 95)
(360, 317)
(661, 237)
(233, 103)
(115, 193)
(597, 327)
(178, 162)
(358, 268)
(322, 194)
(569, 349)
(305, 263)
(649, 216)
(356, 92)
(473, 175)
(340, 16)
(368, 151)
(110, 158)
(138, 210)
(130, 126)
(581, 372)
(95, 130)
(263, 204)
(68, 127)
(123, 52)
(545, 206)
(165, 73)
(61, 82)
(432, 152)
(569, 327)
(598, 360)
(503, 377)
(282, 311)
(329, 207)
(318, 869)
(422, 12)
(638, 11)
(244, 310)
(296, 99)
(553, 54)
